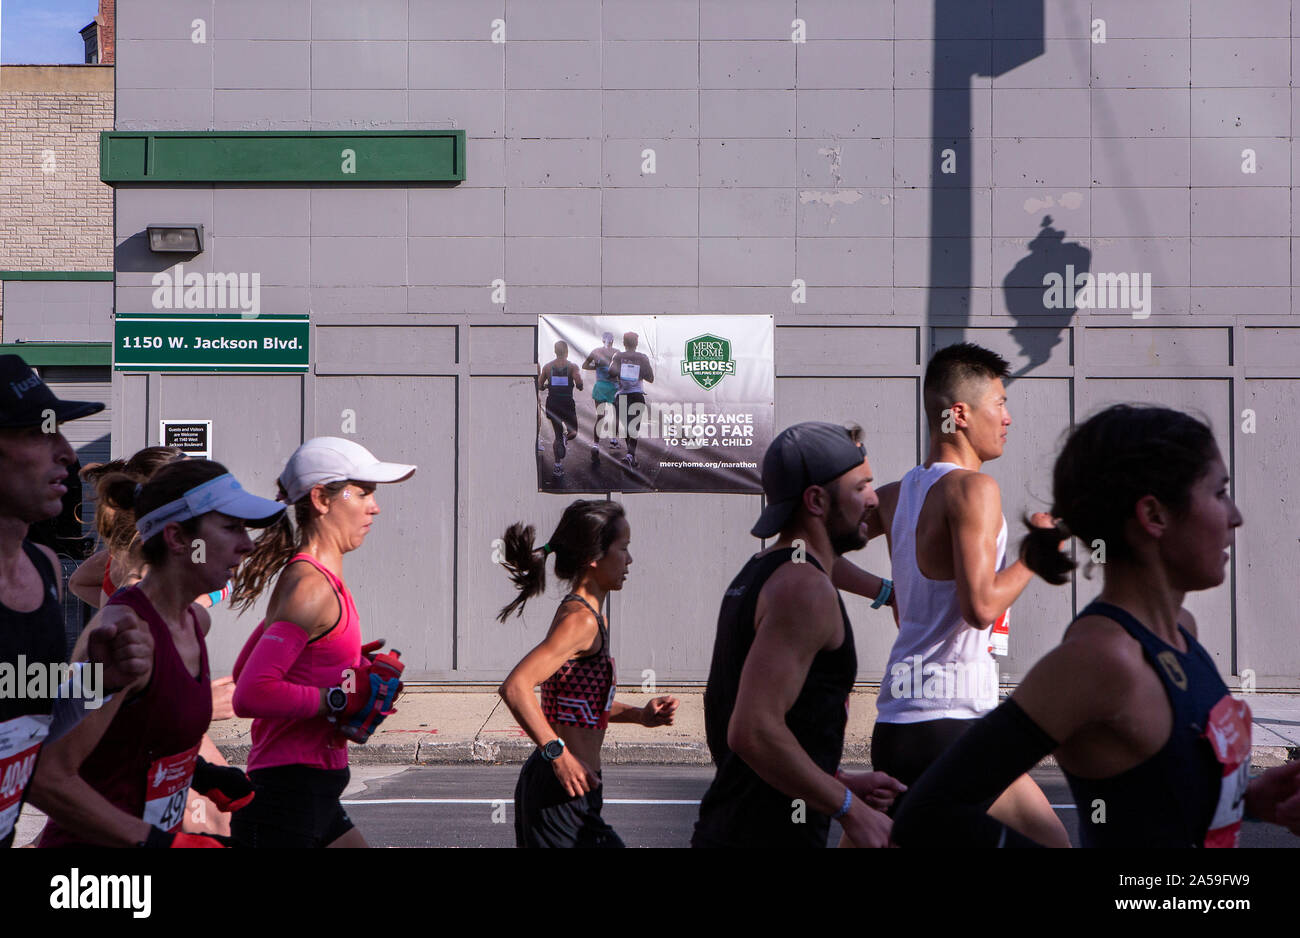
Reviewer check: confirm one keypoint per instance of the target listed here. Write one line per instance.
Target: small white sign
(192, 436)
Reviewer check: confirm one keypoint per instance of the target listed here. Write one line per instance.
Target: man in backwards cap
(34, 461)
(784, 661)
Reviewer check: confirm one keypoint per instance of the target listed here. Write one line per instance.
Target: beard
(845, 536)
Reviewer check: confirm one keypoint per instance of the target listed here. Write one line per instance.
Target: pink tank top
(314, 742)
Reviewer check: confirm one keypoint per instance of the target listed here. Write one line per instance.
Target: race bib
(559, 381)
(999, 637)
(20, 742)
(167, 788)
(1228, 732)
(629, 371)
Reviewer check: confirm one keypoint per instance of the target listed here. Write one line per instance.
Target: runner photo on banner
(653, 403)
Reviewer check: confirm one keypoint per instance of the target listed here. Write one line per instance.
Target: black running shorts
(906, 750)
(562, 409)
(546, 816)
(293, 806)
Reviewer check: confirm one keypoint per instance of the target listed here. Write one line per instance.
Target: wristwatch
(336, 698)
(553, 750)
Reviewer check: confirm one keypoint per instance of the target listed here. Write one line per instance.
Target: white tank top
(940, 667)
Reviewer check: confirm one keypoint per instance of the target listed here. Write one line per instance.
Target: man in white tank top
(952, 586)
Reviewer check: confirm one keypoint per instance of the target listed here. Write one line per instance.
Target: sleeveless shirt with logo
(145, 759)
(1192, 792)
(581, 692)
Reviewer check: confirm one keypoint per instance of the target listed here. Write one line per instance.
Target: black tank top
(36, 637)
(1190, 793)
(559, 384)
(740, 809)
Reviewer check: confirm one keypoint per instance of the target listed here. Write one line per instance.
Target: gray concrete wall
(821, 161)
(58, 310)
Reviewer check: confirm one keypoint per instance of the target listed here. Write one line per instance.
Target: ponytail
(585, 531)
(526, 566)
(1041, 552)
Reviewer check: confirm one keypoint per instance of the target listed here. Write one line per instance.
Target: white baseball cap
(327, 459)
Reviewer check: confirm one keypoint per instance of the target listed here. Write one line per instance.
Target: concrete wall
(824, 161)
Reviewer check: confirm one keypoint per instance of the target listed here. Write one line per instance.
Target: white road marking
(498, 801)
(640, 801)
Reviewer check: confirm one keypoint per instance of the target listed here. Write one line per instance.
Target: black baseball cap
(811, 453)
(25, 399)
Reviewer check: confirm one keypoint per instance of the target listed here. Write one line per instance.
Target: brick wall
(55, 214)
(107, 20)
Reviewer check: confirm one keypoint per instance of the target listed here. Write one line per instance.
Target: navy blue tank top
(740, 809)
(1191, 793)
(560, 383)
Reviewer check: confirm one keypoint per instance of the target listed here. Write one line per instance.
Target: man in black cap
(784, 661)
(34, 461)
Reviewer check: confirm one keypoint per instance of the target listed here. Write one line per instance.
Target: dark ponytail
(585, 531)
(121, 492)
(1041, 552)
(1108, 463)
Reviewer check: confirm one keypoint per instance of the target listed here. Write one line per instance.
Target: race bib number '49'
(20, 742)
(167, 789)
(1228, 730)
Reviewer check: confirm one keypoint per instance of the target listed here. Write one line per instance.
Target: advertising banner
(653, 403)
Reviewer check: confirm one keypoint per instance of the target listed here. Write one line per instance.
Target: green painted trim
(392, 156)
(61, 353)
(56, 275)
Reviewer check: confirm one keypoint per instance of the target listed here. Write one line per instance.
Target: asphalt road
(649, 806)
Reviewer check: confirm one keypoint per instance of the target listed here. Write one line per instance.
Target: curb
(431, 750)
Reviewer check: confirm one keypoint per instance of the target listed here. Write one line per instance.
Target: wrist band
(886, 590)
(844, 808)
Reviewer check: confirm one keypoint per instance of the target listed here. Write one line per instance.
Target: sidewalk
(439, 726)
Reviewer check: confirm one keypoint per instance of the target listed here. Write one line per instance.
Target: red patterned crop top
(581, 692)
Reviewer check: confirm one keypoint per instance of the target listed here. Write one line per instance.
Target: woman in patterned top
(558, 798)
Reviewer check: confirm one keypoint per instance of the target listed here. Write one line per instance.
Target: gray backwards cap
(811, 453)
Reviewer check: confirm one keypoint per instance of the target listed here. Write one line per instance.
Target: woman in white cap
(121, 778)
(304, 676)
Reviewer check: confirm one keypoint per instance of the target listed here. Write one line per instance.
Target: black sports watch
(553, 750)
(336, 698)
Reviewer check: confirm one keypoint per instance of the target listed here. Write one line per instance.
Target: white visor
(223, 494)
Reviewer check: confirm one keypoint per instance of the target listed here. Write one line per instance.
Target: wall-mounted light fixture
(176, 239)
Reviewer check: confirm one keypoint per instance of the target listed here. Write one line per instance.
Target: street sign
(211, 342)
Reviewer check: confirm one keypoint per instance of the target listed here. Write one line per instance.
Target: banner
(653, 403)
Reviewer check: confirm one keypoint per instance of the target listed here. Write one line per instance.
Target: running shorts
(293, 806)
(906, 750)
(545, 815)
(562, 409)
